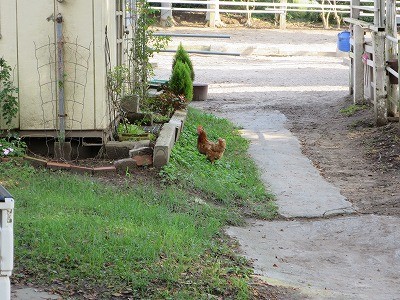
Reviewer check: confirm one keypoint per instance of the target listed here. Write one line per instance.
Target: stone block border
(168, 137)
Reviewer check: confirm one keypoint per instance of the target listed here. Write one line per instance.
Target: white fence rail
(212, 8)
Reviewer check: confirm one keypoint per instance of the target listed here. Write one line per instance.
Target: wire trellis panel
(76, 61)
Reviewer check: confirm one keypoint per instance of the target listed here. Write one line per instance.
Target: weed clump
(352, 109)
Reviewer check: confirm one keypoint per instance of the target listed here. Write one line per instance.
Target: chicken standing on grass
(212, 150)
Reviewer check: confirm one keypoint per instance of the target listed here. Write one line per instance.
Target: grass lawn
(84, 238)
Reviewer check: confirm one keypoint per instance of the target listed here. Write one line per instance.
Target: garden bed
(124, 156)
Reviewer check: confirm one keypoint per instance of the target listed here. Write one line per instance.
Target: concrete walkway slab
(299, 188)
(354, 257)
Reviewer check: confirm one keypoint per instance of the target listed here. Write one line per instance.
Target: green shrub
(183, 56)
(180, 82)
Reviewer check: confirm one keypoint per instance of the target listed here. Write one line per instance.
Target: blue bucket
(343, 42)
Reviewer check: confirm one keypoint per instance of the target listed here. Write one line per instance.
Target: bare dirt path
(344, 257)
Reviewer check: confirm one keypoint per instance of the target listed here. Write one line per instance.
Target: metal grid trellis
(76, 64)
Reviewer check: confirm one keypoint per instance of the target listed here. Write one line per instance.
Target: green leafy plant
(127, 84)
(183, 56)
(130, 128)
(166, 103)
(116, 79)
(159, 118)
(142, 47)
(12, 147)
(180, 82)
(8, 93)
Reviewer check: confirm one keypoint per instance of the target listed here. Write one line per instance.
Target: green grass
(86, 238)
(233, 181)
(77, 232)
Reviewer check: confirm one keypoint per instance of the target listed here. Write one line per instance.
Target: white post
(358, 66)
(355, 14)
(212, 13)
(282, 16)
(213, 17)
(379, 74)
(166, 15)
(6, 242)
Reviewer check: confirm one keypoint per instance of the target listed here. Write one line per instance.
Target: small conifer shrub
(180, 82)
(183, 56)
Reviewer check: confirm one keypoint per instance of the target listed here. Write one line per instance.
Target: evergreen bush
(180, 82)
(183, 56)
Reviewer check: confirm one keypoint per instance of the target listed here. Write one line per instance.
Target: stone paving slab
(31, 294)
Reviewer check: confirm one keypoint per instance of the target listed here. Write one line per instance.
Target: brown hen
(212, 150)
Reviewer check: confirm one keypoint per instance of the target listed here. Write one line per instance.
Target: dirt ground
(363, 160)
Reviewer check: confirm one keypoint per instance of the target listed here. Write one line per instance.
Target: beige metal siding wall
(28, 43)
(8, 42)
(86, 21)
(79, 66)
(102, 17)
(100, 95)
(37, 110)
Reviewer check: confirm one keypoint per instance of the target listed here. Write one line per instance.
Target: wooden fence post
(397, 21)
(380, 101)
(391, 55)
(358, 66)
